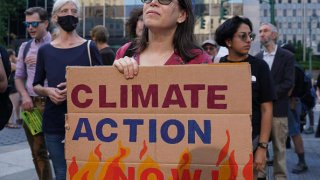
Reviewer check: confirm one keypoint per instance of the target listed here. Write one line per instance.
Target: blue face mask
(68, 22)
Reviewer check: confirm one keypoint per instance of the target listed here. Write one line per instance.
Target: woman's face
(241, 41)
(67, 9)
(156, 15)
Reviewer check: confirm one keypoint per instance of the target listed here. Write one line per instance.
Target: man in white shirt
(281, 64)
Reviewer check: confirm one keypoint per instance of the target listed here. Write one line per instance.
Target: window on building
(284, 12)
(294, 38)
(289, 25)
(309, 1)
(279, 1)
(318, 47)
(299, 1)
(265, 13)
(299, 25)
(294, 12)
(289, 1)
(314, 37)
(284, 38)
(280, 25)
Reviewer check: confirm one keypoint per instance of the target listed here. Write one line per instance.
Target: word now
(84, 130)
(174, 95)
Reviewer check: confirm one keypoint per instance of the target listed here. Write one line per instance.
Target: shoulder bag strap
(89, 53)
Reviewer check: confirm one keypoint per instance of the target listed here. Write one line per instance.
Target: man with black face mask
(67, 49)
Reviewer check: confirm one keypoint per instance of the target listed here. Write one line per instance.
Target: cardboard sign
(170, 122)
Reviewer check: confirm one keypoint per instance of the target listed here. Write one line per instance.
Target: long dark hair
(183, 40)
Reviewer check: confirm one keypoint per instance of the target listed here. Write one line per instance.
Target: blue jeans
(56, 152)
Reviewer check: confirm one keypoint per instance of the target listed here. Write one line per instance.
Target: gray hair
(59, 3)
(273, 28)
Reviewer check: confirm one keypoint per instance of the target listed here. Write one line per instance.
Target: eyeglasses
(163, 2)
(33, 24)
(244, 36)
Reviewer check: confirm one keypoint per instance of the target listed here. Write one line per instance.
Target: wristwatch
(263, 145)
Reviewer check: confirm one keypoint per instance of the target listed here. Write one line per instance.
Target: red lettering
(103, 98)
(152, 93)
(75, 96)
(156, 172)
(215, 174)
(212, 97)
(194, 89)
(118, 174)
(124, 96)
(174, 88)
(186, 174)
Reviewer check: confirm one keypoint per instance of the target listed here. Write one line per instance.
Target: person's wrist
(263, 145)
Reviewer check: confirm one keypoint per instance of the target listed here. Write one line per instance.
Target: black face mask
(68, 23)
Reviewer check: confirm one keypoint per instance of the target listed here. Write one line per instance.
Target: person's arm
(56, 95)
(266, 121)
(287, 82)
(20, 78)
(3, 78)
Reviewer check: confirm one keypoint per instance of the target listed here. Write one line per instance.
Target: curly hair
(132, 22)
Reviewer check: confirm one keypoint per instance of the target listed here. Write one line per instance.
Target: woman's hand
(62, 88)
(55, 95)
(128, 66)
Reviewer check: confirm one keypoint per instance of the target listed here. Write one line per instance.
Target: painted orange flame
(88, 170)
(247, 170)
(143, 150)
(98, 152)
(114, 167)
(73, 168)
(224, 151)
(233, 166)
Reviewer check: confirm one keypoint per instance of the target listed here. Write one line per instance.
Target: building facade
(298, 21)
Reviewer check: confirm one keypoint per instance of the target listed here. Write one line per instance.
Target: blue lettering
(83, 122)
(165, 133)
(133, 123)
(204, 135)
(99, 130)
(152, 131)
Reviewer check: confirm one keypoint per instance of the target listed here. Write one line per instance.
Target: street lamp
(312, 18)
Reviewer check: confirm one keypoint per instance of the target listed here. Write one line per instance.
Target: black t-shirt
(262, 88)
(107, 56)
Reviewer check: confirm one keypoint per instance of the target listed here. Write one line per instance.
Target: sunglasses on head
(33, 24)
(244, 36)
(163, 2)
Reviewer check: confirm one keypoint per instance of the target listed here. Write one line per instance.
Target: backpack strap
(26, 49)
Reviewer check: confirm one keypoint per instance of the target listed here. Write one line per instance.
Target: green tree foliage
(8, 8)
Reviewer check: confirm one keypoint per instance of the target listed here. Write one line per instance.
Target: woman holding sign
(236, 34)
(167, 38)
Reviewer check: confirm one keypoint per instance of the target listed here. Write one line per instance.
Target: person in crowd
(68, 49)
(134, 26)
(36, 23)
(211, 48)
(3, 75)
(236, 34)
(14, 95)
(100, 36)
(281, 64)
(317, 134)
(167, 38)
(294, 113)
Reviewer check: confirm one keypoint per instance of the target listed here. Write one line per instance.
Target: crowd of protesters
(36, 77)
